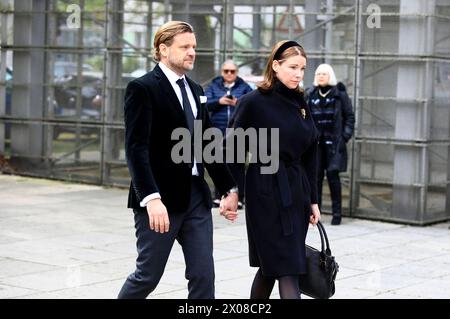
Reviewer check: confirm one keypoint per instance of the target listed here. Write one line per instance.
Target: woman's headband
(283, 48)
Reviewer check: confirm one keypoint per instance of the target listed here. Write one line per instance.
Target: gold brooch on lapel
(303, 112)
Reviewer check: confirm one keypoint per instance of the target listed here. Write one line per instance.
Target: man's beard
(179, 65)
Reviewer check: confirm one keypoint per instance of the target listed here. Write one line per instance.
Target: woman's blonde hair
(166, 33)
(268, 82)
(325, 68)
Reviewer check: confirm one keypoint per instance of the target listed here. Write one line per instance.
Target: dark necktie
(189, 116)
(186, 106)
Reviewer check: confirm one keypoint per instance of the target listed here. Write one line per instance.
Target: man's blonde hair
(166, 33)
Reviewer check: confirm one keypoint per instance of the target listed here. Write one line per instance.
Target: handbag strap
(322, 241)
(323, 236)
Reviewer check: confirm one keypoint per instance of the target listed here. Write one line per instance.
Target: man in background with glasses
(223, 94)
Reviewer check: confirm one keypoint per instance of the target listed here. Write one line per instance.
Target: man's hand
(228, 206)
(158, 216)
(315, 214)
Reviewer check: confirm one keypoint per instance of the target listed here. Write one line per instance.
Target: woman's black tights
(262, 286)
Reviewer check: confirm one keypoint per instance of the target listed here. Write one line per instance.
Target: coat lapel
(170, 93)
(167, 88)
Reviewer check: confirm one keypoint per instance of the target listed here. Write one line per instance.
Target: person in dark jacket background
(333, 115)
(223, 94)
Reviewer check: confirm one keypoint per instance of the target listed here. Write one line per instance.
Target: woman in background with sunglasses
(222, 94)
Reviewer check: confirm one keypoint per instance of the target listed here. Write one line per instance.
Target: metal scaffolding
(64, 66)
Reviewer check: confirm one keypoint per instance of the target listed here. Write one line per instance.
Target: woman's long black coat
(344, 123)
(278, 205)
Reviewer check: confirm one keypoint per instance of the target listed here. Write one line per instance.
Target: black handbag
(321, 267)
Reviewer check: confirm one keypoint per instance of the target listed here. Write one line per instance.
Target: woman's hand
(228, 206)
(315, 214)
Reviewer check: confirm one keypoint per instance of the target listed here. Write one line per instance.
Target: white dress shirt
(173, 78)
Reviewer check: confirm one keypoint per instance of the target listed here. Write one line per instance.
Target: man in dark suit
(169, 200)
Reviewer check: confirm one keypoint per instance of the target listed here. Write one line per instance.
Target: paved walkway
(61, 240)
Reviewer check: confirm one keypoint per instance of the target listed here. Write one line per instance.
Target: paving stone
(7, 292)
(55, 280)
(12, 267)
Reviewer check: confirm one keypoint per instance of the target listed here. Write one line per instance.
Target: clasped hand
(228, 206)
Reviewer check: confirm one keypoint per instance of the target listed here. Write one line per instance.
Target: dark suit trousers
(193, 231)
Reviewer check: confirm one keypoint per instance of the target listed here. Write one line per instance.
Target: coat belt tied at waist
(284, 188)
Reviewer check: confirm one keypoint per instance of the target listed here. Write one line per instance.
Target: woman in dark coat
(332, 112)
(280, 206)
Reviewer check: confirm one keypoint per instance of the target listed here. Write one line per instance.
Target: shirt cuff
(148, 198)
